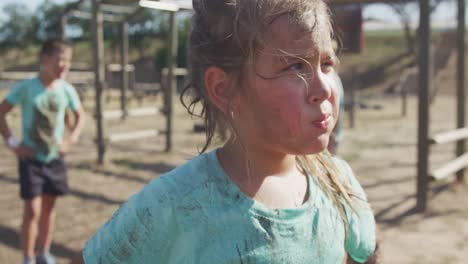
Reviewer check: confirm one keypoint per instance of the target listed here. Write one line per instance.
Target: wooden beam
(123, 65)
(73, 76)
(88, 16)
(132, 16)
(138, 112)
(461, 90)
(118, 67)
(450, 167)
(117, 9)
(187, 4)
(347, 2)
(63, 25)
(133, 135)
(423, 106)
(449, 136)
(120, 2)
(99, 69)
(71, 6)
(177, 72)
(170, 87)
(165, 6)
(15, 76)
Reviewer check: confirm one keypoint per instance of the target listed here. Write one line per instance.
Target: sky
(445, 15)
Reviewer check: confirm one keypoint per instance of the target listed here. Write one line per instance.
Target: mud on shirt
(196, 214)
(43, 114)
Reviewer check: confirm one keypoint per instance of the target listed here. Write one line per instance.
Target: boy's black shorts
(37, 178)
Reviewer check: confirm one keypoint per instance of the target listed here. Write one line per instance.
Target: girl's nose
(319, 88)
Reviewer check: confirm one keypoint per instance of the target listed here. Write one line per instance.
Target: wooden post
(352, 107)
(63, 24)
(99, 71)
(423, 109)
(169, 91)
(461, 95)
(123, 66)
(404, 101)
(353, 101)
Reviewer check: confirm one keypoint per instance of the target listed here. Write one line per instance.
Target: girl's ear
(217, 87)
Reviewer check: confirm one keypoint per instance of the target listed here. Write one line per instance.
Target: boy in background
(44, 101)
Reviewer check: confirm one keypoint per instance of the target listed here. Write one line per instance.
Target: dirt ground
(381, 148)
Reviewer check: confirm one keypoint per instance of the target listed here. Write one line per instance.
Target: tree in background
(404, 10)
(184, 27)
(48, 20)
(149, 25)
(18, 29)
(23, 28)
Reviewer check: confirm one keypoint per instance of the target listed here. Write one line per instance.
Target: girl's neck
(255, 164)
(269, 178)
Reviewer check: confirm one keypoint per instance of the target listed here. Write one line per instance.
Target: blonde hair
(227, 34)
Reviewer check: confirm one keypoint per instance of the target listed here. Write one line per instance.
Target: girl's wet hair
(227, 34)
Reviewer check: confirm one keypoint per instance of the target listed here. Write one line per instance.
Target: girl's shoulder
(345, 170)
(187, 177)
(348, 175)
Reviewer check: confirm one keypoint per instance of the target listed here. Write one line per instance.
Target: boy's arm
(78, 259)
(5, 108)
(76, 128)
(12, 143)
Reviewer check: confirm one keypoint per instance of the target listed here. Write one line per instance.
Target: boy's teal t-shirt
(196, 214)
(43, 114)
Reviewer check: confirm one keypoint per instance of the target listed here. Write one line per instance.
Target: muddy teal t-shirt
(43, 114)
(196, 214)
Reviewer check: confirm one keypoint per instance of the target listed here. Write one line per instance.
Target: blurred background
(378, 69)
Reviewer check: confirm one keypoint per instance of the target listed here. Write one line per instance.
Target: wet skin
(289, 104)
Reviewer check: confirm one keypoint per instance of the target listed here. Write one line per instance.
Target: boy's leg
(31, 182)
(46, 223)
(56, 184)
(29, 227)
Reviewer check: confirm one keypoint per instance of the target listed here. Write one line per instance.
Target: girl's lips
(323, 122)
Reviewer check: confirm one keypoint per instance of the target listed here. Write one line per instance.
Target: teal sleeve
(73, 98)
(141, 231)
(360, 240)
(15, 96)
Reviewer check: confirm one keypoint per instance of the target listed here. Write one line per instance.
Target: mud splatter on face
(287, 92)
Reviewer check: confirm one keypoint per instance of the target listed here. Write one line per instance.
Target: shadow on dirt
(95, 197)
(128, 167)
(11, 238)
(4, 177)
(379, 183)
(74, 192)
(157, 167)
(396, 220)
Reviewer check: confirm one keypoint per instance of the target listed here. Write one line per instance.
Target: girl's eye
(295, 67)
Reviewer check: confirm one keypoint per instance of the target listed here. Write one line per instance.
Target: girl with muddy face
(272, 193)
(264, 70)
